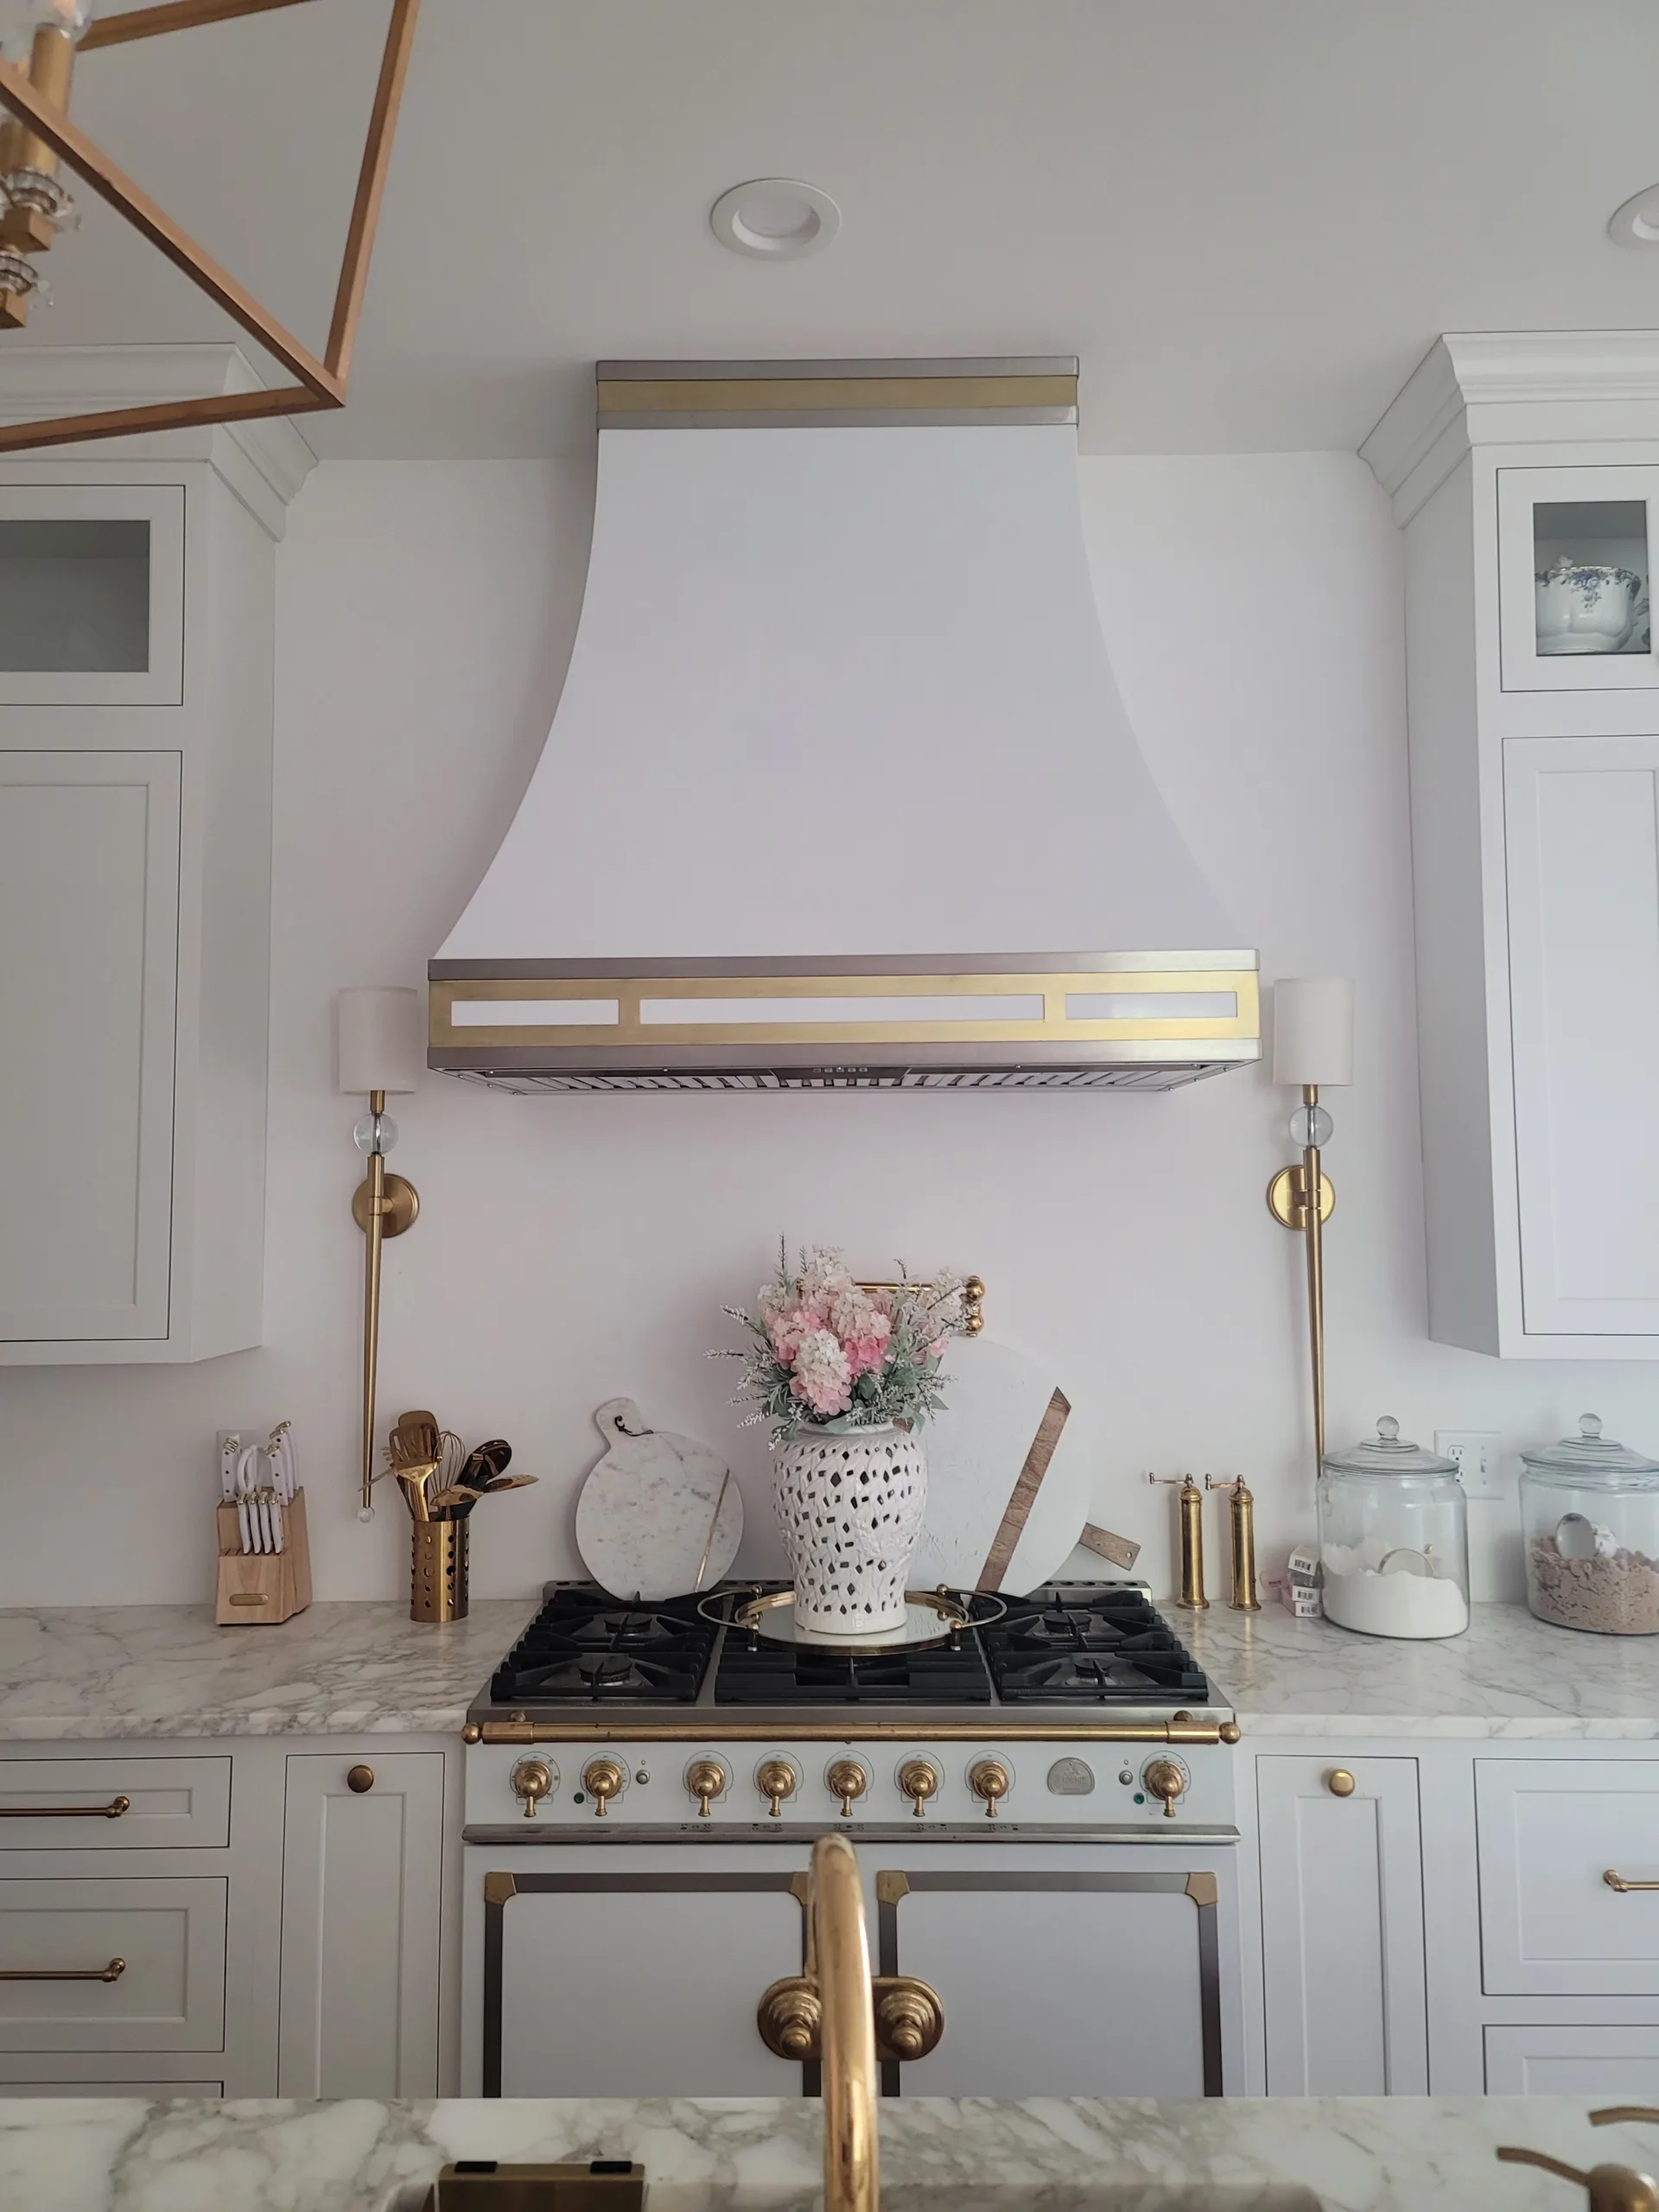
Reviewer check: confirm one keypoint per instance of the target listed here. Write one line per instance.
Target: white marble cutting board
(645, 1514)
(995, 1400)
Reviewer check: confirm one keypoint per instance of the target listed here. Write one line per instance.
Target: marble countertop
(93, 1673)
(1508, 1674)
(1397, 2154)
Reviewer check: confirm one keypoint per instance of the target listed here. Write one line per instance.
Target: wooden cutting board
(1012, 1458)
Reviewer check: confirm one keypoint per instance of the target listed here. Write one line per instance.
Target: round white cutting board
(995, 1400)
(646, 1519)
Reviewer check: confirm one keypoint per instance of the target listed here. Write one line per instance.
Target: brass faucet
(835, 2013)
(1611, 2189)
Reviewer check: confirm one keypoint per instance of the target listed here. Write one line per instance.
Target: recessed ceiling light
(1637, 223)
(775, 218)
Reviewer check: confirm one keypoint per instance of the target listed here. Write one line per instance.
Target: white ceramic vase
(850, 1509)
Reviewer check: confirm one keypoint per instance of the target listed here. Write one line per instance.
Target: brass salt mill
(1189, 1503)
(1241, 1523)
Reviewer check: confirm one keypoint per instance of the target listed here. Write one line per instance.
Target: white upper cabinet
(1525, 473)
(137, 653)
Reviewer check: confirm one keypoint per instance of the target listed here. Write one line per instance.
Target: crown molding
(264, 462)
(1527, 387)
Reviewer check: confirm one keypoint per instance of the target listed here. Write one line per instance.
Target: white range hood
(841, 791)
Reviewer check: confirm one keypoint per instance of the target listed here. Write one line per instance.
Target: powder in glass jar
(1615, 1596)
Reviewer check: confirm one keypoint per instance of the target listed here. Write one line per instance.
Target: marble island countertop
(1507, 1675)
(1398, 2154)
(97, 1673)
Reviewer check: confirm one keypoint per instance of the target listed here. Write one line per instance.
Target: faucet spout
(838, 1965)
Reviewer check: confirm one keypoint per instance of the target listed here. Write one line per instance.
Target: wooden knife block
(256, 1590)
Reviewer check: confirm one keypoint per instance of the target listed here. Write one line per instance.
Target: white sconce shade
(1313, 1030)
(380, 1040)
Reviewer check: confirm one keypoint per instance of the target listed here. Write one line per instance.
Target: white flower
(822, 1377)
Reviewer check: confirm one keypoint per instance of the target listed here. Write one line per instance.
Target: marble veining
(1508, 1676)
(96, 1673)
(1397, 2154)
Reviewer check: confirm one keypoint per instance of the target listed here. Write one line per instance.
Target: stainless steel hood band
(699, 1725)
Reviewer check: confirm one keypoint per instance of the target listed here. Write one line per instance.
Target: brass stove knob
(919, 1779)
(1165, 1779)
(776, 1779)
(847, 1779)
(602, 1779)
(705, 1778)
(533, 1780)
(990, 1780)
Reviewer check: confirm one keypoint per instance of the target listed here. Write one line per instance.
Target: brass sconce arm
(1288, 1203)
(382, 1205)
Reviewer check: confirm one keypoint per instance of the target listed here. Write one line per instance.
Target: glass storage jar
(1589, 1521)
(1394, 1539)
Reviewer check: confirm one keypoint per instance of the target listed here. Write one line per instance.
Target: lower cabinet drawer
(121, 1804)
(1621, 2064)
(1549, 1831)
(97, 2087)
(123, 1965)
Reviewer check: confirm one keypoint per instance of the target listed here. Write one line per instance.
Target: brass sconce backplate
(1285, 1199)
(401, 1210)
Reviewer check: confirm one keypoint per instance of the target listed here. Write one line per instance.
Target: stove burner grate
(584, 1648)
(1099, 1646)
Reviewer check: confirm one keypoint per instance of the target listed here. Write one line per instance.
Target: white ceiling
(1249, 217)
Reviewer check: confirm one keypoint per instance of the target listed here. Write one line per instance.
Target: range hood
(840, 791)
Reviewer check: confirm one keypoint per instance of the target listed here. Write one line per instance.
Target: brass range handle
(706, 1780)
(113, 1971)
(909, 2019)
(990, 1781)
(776, 1779)
(1618, 1882)
(112, 1811)
(919, 1779)
(602, 1779)
(847, 1780)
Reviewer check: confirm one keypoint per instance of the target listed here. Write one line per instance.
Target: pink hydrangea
(823, 1379)
(866, 1352)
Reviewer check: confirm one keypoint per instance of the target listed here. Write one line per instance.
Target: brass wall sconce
(1312, 1046)
(38, 140)
(380, 1038)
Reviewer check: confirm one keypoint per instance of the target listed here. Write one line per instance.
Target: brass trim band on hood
(689, 395)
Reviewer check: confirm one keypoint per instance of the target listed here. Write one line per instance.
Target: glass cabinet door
(1573, 576)
(91, 596)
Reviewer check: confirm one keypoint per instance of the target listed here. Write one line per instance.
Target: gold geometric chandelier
(35, 205)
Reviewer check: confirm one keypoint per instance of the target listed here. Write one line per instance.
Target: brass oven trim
(1200, 1885)
(1003, 1722)
(500, 1888)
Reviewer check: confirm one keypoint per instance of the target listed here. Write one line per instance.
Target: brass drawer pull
(113, 1971)
(112, 1811)
(1618, 1882)
(1340, 1782)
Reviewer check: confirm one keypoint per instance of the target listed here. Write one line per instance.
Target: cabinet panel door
(1582, 835)
(91, 596)
(89, 904)
(362, 1891)
(1548, 1830)
(1590, 629)
(1342, 1930)
(1618, 2064)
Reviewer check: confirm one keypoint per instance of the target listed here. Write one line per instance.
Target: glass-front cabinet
(91, 596)
(1573, 575)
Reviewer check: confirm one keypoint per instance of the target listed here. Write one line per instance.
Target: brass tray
(932, 1617)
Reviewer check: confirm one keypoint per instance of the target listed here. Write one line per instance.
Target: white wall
(569, 1250)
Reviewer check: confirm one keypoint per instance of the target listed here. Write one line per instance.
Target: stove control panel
(726, 1786)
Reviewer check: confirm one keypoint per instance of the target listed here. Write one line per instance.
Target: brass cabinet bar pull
(112, 1811)
(113, 1971)
(1618, 1882)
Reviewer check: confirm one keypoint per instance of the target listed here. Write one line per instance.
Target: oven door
(633, 1968)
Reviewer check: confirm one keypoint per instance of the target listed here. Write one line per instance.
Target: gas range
(1076, 1707)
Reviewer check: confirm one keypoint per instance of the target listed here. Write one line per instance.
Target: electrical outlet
(1478, 1458)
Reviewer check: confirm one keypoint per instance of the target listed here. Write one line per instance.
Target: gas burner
(621, 1628)
(1102, 1646)
(583, 1647)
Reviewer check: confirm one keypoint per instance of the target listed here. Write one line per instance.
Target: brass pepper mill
(1241, 1523)
(1189, 1500)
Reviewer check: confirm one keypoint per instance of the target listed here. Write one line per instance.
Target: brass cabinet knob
(990, 1780)
(602, 1779)
(790, 2020)
(359, 1779)
(776, 1779)
(909, 2018)
(1167, 1780)
(1340, 1782)
(705, 1779)
(847, 1779)
(533, 1780)
(919, 1779)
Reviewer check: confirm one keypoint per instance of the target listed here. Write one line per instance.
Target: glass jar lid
(1589, 1453)
(1388, 1453)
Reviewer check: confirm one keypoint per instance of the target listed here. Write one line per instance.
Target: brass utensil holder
(256, 1590)
(438, 1579)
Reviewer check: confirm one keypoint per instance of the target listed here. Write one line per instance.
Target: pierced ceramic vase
(850, 1511)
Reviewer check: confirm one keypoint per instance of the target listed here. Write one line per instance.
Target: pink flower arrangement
(828, 1353)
